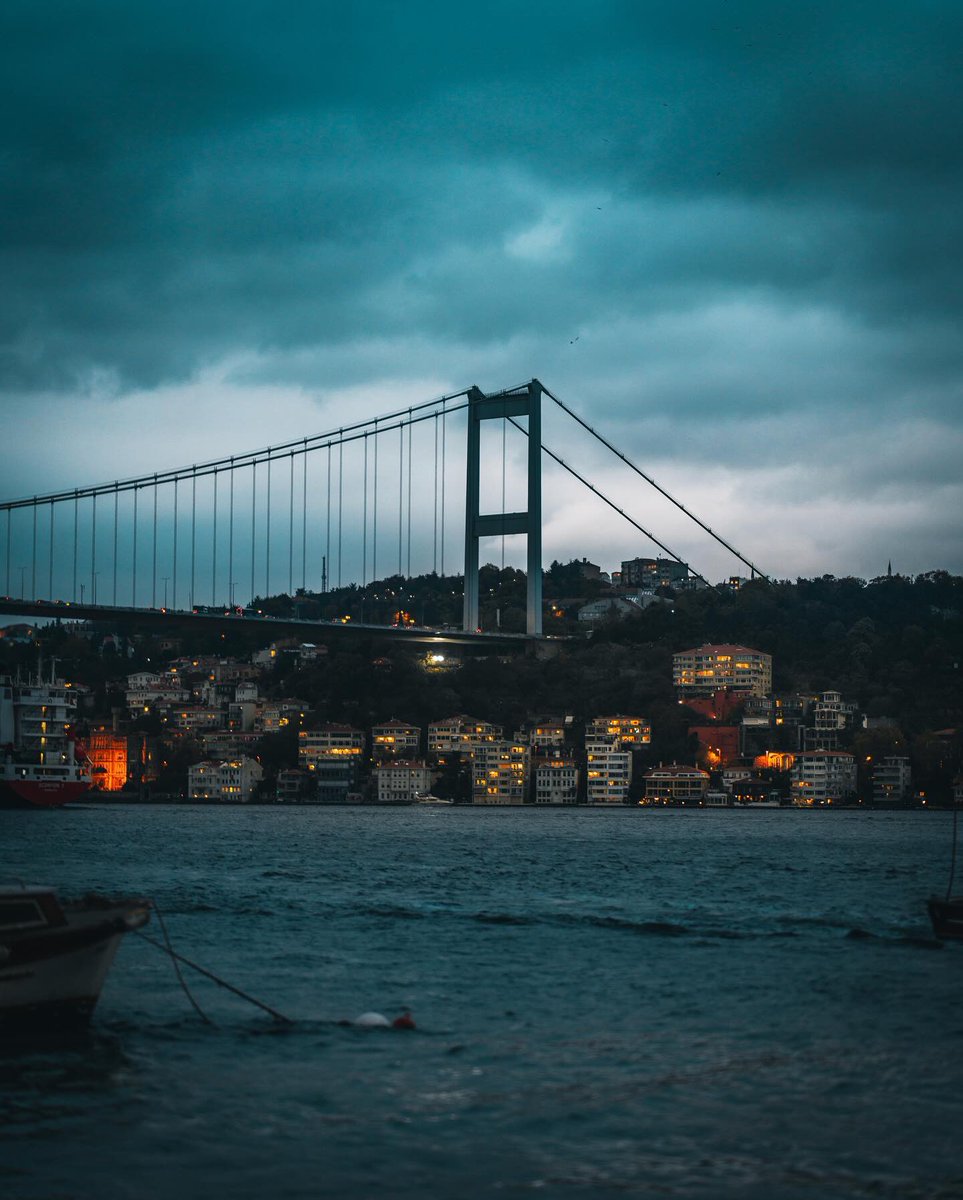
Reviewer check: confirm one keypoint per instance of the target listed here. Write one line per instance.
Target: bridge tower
(518, 402)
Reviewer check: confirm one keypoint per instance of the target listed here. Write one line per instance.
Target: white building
(556, 781)
(623, 733)
(232, 781)
(608, 774)
(399, 782)
(460, 734)
(822, 777)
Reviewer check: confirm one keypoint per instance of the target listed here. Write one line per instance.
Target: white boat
(427, 798)
(54, 957)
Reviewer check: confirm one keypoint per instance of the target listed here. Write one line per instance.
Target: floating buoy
(372, 1020)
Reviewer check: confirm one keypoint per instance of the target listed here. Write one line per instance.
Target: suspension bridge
(416, 489)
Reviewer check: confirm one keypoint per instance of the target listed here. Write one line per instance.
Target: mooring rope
(169, 949)
(166, 948)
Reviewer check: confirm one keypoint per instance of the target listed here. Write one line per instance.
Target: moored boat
(54, 957)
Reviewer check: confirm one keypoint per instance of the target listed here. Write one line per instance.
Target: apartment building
(556, 781)
(608, 774)
(675, 784)
(395, 739)
(822, 777)
(892, 780)
(233, 781)
(330, 743)
(623, 733)
(461, 734)
(704, 669)
(500, 772)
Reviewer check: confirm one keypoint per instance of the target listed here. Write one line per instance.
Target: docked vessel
(54, 957)
(39, 767)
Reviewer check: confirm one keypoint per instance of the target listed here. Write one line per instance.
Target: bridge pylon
(518, 402)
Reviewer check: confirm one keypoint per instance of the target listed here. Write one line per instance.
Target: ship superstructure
(38, 767)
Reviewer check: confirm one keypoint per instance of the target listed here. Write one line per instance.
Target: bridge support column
(521, 402)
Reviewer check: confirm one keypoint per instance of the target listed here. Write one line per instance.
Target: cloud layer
(729, 232)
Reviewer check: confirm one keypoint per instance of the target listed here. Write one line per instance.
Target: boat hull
(40, 793)
(946, 916)
(51, 978)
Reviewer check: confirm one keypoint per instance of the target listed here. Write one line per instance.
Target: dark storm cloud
(717, 224)
(184, 180)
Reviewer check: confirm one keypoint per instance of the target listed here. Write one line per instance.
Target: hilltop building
(705, 669)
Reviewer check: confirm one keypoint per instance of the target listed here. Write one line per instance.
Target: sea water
(608, 1003)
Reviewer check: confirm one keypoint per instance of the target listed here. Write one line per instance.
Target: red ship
(39, 767)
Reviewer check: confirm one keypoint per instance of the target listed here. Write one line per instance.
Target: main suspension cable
(648, 479)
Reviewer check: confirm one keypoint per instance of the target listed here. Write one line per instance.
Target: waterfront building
(395, 739)
(107, 752)
(295, 786)
(608, 774)
(822, 777)
(705, 669)
(232, 781)
(556, 781)
(500, 771)
(892, 780)
(675, 784)
(400, 781)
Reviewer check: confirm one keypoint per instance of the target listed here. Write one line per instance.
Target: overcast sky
(727, 232)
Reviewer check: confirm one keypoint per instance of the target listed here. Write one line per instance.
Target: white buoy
(372, 1020)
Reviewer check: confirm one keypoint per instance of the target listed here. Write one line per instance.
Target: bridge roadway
(272, 627)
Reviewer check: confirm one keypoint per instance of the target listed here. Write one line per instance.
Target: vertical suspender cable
(374, 520)
(444, 430)
(504, 434)
(291, 534)
(76, 502)
(174, 556)
(327, 517)
(33, 566)
(364, 518)
(153, 584)
(434, 508)
(230, 540)
(50, 581)
(133, 571)
(93, 550)
(253, 525)
(8, 551)
(116, 523)
(214, 548)
(304, 519)
(408, 571)
(193, 535)
(340, 495)
(401, 487)
(267, 534)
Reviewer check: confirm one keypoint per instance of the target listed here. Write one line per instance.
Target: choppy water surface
(658, 1003)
